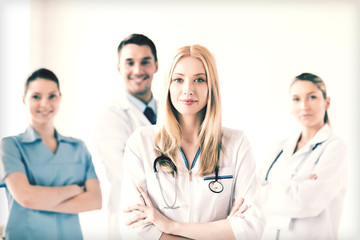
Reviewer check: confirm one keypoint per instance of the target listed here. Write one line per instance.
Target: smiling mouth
(188, 101)
(139, 79)
(45, 114)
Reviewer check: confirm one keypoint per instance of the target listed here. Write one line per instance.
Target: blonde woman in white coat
(188, 176)
(304, 182)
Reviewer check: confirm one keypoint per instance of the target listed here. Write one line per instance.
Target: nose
(188, 87)
(138, 69)
(304, 104)
(44, 102)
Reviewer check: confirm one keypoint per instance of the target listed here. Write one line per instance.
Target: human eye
(295, 99)
(312, 97)
(36, 97)
(52, 96)
(129, 63)
(177, 80)
(199, 80)
(145, 62)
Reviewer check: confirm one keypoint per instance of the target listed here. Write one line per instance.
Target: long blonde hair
(168, 139)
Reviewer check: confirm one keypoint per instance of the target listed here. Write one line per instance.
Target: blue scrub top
(71, 164)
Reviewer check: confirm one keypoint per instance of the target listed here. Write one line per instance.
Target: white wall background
(259, 46)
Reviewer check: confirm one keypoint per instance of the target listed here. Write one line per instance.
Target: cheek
(293, 108)
(172, 95)
(205, 93)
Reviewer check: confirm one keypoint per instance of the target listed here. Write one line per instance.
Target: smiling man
(135, 107)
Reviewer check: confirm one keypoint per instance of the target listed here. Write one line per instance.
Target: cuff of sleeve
(236, 226)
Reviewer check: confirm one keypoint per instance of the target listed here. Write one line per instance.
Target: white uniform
(295, 206)
(113, 128)
(195, 201)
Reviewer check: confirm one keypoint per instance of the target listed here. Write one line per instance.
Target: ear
(327, 103)
(23, 99)
(118, 67)
(156, 66)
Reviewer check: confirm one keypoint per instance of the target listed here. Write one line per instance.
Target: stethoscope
(297, 167)
(214, 186)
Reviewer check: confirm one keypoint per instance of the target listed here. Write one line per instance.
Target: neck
(145, 98)
(45, 131)
(190, 126)
(308, 133)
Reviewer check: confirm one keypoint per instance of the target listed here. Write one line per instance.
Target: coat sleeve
(111, 133)
(246, 186)
(308, 198)
(134, 175)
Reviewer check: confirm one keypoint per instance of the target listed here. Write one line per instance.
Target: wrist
(173, 228)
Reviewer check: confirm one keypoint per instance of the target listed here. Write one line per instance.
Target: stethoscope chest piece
(216, 186)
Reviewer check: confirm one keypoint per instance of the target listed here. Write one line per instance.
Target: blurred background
(259, 46)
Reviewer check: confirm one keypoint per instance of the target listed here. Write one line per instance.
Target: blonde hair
(168, 139)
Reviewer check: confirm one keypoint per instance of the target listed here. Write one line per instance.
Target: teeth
(45, 113)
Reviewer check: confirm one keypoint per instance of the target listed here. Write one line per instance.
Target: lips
(139, 79)
(307, 115)
(188, 101)
(45, 113)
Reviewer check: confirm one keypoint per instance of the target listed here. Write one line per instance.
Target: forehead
(42, 85)
(304, 87)
(135, 52)
(189, 65)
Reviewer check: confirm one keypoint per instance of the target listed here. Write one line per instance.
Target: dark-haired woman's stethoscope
(296, 169)
(214, 186)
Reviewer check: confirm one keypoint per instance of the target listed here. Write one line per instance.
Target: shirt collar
(140, 105)
(30, 135)
(322, 135)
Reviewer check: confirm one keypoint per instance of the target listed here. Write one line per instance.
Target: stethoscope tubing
(277, 157)
(214, 186)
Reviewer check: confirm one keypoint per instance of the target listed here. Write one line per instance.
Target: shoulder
(230, 135)
(18, 139)
(119, 104)
(71, 140)
(9, 141)
(336, 142)
(144, 133)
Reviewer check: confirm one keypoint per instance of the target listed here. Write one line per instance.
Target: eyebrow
(55, 91)
(145, 58)
(309, 93)
(197, 74)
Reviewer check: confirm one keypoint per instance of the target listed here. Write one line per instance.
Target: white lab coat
(195, 200)
(300, 208)
(113, 127)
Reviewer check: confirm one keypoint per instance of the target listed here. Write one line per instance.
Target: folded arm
(89, 200)
(38, 197)
(147, 214)
(68, 199)
(309, 197)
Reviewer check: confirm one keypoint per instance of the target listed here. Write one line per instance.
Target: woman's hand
(237, 209)
(147, 214)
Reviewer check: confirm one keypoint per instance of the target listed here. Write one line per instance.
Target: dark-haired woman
(49, 178)
(305, 180)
